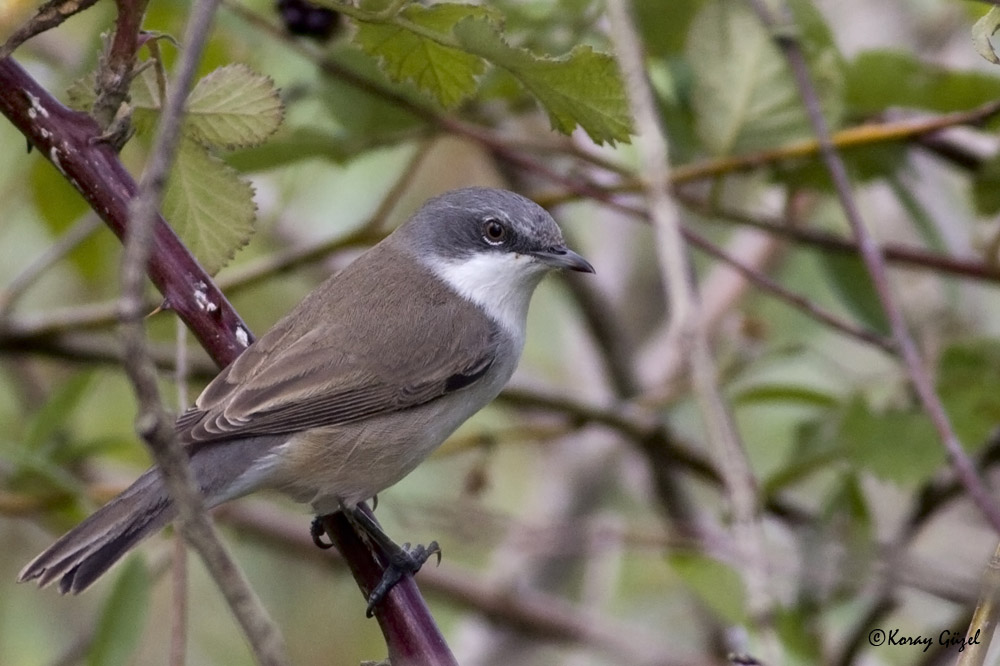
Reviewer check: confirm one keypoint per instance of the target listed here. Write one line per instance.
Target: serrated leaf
(231, 107)
(744, 97)
(406, 55)
(123, 617)
(581, 88)
(208, 205)
(361, 113)
(234, 107)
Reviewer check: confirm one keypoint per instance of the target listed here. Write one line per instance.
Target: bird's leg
(399, 560)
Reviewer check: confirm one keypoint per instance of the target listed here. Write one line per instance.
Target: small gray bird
(351, 390)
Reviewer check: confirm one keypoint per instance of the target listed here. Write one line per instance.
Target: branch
(69, 140)
(871, 255)
(152, 421)
(688, 326)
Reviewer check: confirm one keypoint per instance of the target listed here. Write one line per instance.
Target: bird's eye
(494, 232)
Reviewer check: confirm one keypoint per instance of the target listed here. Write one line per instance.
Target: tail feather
(222, 470)
(81, 555)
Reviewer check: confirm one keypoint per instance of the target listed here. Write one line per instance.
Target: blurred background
(582, 516)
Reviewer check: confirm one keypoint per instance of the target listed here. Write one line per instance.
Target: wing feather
(352, 349)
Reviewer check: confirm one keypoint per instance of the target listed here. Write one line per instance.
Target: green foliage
(982, 30)
(850, 279)
(210, 206)
(408, 54)
(968, 381)
(442, 50)
(582, 88)
(206, 202)
(123, 618)
(716, 584)
(744, 98)
(877, 80)
(233, 107)
(896, 444)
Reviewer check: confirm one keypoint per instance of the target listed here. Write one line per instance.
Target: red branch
(68, 139)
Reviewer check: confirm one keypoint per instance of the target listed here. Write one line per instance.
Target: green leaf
(715, 583)
(968, 381)
(209, 207)
(982, 30)
(407, 55)
(123, 617)
(876, 80)
(986, 187)
(744, 97)
(581, 88)
(52, 416)
(784, 393)
(897, 445)
(850, 279)
(233, 107)
(361, 113)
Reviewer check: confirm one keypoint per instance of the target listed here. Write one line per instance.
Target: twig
(80, 231)
(686, 319)
(152, 422)
(871, 255)
(543, 615)
(912, 257)
(48, 16)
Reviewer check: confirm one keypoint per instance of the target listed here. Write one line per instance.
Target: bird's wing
(352, 349)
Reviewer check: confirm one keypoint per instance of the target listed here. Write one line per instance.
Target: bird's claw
(402, 562)
(316, 531)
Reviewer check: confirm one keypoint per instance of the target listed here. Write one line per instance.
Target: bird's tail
(83, 554)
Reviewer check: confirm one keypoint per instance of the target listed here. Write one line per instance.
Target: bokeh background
(581, 516)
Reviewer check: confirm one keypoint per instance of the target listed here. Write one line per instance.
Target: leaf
(986, 187)
(968, 381)
(982, 30)
(850, 279)
(744, 97)
(361, 113)
(897, 445)
(233, 107)
(209, 207)
(876, 80)
(581, 88)
(784, 394)
(406, 55)
(122, 618)
(715, 583)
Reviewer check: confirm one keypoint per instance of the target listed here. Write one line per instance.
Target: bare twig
(80, 231)
(48, 16)
(686, 319)
(871, 255)
(152, 422)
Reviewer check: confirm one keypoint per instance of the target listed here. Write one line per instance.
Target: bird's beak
(560, 256)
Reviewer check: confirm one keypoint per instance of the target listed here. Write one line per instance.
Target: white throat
(501, 283)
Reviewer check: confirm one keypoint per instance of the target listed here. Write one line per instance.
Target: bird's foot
(402, 561)
(316, 531)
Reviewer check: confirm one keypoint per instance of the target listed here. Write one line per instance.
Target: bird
(356, 385)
